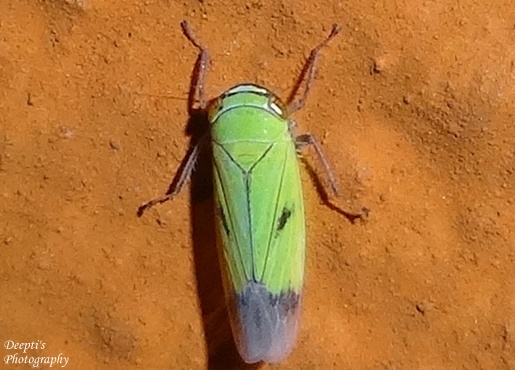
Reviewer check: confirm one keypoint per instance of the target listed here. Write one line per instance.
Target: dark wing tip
(264, 324)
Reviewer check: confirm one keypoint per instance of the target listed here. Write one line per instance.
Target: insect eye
(277, 106)
(213, 108)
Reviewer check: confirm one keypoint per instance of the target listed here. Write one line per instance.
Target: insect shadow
(217, 331)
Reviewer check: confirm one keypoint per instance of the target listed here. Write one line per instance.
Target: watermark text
(23, 354)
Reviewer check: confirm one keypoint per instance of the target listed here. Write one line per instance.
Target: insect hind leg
(301, 142)
(305, 140)
(180, 179)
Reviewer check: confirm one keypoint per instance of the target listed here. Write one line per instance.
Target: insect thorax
(247, 111)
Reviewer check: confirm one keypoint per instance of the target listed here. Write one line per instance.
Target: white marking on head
(277, 109)
(247, 88)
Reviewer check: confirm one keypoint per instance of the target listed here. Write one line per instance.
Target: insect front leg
(197, 95)
(308, 74)
(305, 140)
(181, 177)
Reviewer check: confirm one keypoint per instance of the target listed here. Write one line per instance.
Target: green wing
(261, 214)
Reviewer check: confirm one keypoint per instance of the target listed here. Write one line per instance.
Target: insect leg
(308, 74)
(180, 179)
(305, 140)
(197, 95)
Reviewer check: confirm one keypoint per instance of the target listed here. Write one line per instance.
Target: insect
(259, 204)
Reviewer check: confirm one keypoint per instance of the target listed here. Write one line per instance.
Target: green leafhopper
(259, 204)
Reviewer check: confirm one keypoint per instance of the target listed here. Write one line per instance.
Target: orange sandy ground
(414, 103)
